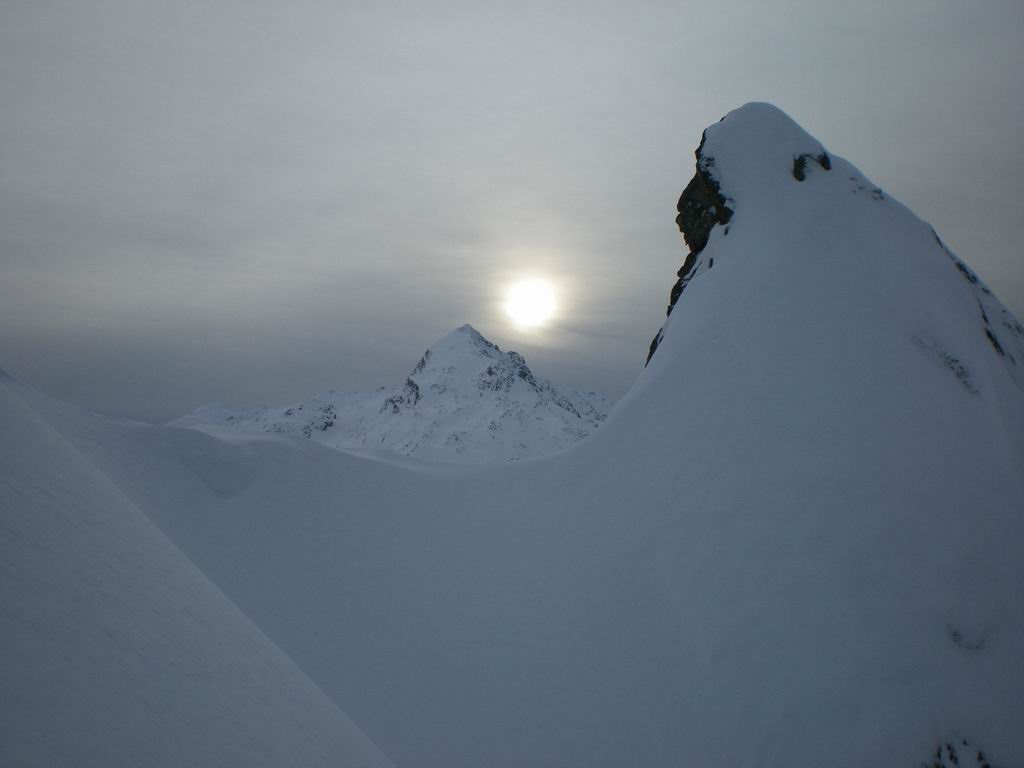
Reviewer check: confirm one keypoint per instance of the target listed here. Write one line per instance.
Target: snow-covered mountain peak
(463, 349)
(466, 360)
(760, 144)
(465, 338)
(465, 401)
(816, 255)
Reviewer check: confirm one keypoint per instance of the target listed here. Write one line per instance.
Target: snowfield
(795, 542)
(115, 650)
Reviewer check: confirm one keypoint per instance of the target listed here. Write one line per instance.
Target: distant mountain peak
(463, 338)
(462, 333)
(466, 353)
(465, 401)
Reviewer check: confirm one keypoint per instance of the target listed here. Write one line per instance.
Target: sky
(252, 202)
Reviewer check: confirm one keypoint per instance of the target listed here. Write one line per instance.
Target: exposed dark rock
(946, 756)
(565, 404)
(1006, 320)
(412, 392)
(422, 363)
(969, 276)
(995, 342)
(410, 396)
(800, 164)
(960, 371)
(964, 270)
(654, 345)
(800, 167)
(684, 274)
(502, 374)
(701, 206)
(323, 422)
(963, 643)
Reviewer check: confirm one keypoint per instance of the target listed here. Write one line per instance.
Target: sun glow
(530, 303)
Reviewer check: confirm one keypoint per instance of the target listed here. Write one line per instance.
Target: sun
(530, 303)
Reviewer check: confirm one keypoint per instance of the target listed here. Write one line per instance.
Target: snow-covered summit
(465, 401)
(769, 195)
(758, 141)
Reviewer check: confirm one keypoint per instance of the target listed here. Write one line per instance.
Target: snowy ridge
(115, 649)
(466, 401)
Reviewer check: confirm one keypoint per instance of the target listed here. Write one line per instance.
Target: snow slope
(466, 401)
(115, 650)
(796, 541)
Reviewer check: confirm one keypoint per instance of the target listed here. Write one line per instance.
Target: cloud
(256, 200)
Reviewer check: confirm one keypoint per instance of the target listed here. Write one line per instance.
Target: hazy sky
(251, 202)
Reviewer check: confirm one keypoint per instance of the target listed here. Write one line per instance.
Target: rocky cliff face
(700, 207)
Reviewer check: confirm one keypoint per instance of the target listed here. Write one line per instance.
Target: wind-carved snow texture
(465, 401)
(796, 541)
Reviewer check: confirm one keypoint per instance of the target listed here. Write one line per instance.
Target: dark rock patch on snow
(995, 342)
(962, 642)
(800, 164)
(410, 396)
(983, 296)
(701, 206)
(957, 753)
(960, 371)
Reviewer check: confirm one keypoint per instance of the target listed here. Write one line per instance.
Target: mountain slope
(117, 651)
(796, 541)
(466, 401)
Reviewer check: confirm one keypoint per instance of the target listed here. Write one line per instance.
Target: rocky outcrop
(1005, 324)
(701, 206)
(800, 164)
(957, 753)
(409, 396)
